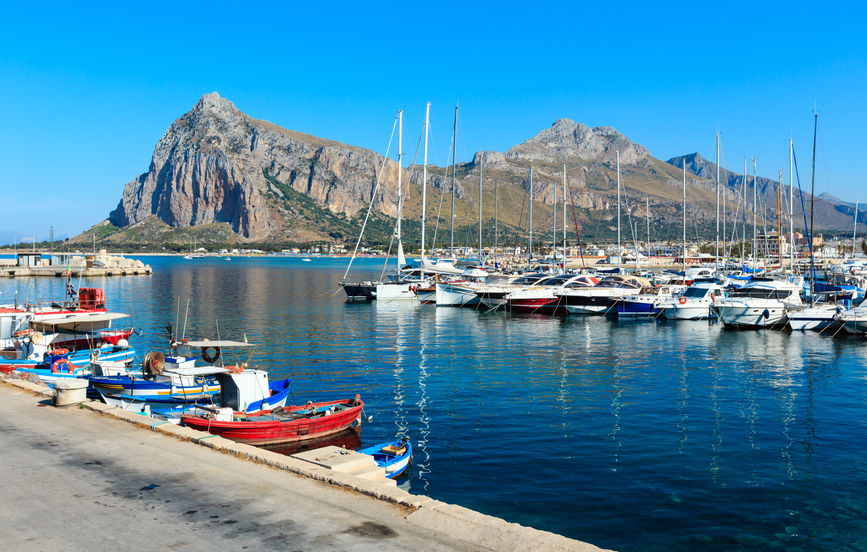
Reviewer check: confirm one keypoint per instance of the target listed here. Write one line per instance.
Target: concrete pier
(60, 272)
(98, 477)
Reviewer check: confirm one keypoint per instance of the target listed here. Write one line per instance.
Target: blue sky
(88, 89)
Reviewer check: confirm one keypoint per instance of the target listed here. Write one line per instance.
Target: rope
(372, 199)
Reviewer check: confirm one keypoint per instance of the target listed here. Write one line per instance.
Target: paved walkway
(74, 479)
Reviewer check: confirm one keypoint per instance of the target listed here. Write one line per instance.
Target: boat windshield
(695, 293)
(527, 280)
(556, 280)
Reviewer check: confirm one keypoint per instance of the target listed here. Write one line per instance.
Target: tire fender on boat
(210, 357)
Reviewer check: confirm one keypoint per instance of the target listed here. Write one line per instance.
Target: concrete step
(346, 461)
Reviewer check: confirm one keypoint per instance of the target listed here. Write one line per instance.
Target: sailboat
(402, 285)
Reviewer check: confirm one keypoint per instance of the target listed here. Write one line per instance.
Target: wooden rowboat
(282, 425)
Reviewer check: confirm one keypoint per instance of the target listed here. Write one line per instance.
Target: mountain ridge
(217, 165)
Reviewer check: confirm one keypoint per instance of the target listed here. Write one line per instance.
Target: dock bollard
(69, 391)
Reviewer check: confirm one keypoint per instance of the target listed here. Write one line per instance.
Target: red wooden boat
(282, 425)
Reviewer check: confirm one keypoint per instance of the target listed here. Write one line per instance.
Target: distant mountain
(830, 213)
(221, 176)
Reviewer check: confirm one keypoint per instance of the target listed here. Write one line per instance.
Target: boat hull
(394, 457)
(455, 295)
(389, 291)
(686, 312)
(265, 431)
(745, 316)
(359, 292)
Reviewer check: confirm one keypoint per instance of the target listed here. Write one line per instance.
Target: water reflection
(690, 434)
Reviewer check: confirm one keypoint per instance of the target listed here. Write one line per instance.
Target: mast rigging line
(372, 197)
(401, 201)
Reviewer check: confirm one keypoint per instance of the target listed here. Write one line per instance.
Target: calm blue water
(634, 436)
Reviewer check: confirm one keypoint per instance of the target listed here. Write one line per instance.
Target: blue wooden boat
(62, 364)
(176, 380)
(394, 456)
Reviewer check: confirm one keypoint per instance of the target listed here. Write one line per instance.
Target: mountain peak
(214, 103)
(569, 139)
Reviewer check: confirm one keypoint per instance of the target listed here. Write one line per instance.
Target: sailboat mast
(791, 209)
(399, 170)
(424, 181)
(716, 249)
(647, 212)
(779, 227)
(755, 213)
(684, 218)
(812, 201)
(496, 215)
(564, 217)
(554, 228)
(454, 155)
(530, 253)
(855, 229)
(618, 207)
(744, 225)
(481, 170)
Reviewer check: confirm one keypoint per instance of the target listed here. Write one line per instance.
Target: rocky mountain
(219, 175)
(216, 164)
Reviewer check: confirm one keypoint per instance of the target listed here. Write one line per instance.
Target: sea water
(631, 435)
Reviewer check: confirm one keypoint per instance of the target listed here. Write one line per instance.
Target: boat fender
(61, 364)
(682, 300)
(712, 298)
(58, 352)
(210, 354)
(766, 314)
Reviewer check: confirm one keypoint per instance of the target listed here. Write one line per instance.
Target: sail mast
(716, 249)
(496, 215)
(684, 217)
(812, 201)
(618, 207)
(424, 182)
(564, 217)
(779, 227)
(554, 228)
(744, 225)
(454, 155)
(530, 253)
(755, 215)
(791, 209)
(481, 170)
(647, 212)
(855, 229)
(400, 259)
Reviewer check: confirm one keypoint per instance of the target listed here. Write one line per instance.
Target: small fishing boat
(62, 364)
(280, 425)
(306, 259)
(394, 457)
(176, 380)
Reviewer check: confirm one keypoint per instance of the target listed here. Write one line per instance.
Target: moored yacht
(761, 303)
(540, 296)
(648, 302)
(601, 298)
(694, 303)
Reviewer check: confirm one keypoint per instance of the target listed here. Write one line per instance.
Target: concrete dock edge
(476, 529)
